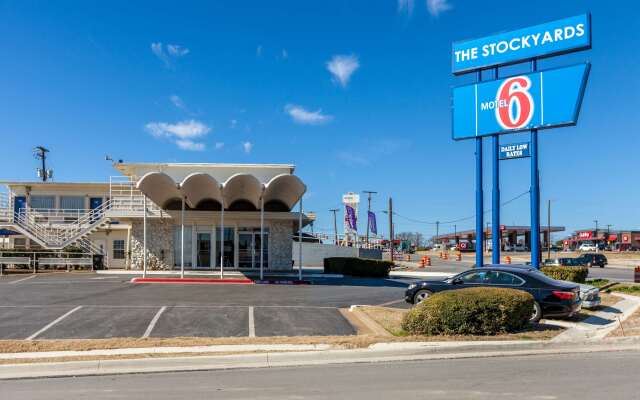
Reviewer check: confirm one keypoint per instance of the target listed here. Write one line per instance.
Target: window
(118, 249)
(474, 277)
(503, 278)
(43, 202)
(72, 202)
(177, 250)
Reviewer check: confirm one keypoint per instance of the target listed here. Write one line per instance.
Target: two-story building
(212, 214)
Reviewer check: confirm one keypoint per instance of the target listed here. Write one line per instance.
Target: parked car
(590, 296)
(521, 247)
(591, 259)
(552, 298)
(507, 247)
(587, 247)
(564, 262)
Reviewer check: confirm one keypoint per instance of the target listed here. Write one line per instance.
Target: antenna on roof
(40, 153)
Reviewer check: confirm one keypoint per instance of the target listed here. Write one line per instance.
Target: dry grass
(630, 327)
(391, 320)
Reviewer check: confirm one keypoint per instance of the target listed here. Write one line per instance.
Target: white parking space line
(52, 323)
(252, 323)
(21, 280)
(153, 322)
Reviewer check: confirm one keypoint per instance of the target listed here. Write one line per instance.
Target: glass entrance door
(249, 249)
(204, 250)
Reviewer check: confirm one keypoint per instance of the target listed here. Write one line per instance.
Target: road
(578, 376)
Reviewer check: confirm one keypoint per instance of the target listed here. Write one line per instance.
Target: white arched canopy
(285, 189)
(159, 188)
(242, 187)
(198, 187)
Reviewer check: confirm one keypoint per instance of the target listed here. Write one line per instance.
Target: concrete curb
(382, 352)
(217, 273)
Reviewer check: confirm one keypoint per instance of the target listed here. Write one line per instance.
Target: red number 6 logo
(514, 103)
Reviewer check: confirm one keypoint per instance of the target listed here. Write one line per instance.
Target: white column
(144, 237)
(222, 241)
(261, 237)
(300, 242)
(182, 240)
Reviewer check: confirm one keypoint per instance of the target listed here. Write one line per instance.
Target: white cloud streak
(176, 50)
(247, 147)
(436, 7)
(302, 116)
(169, 52)
(406, 6)
(183, 133)
(342, 67)
(177, 101)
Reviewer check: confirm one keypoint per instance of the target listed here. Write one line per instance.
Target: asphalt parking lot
(91, 306)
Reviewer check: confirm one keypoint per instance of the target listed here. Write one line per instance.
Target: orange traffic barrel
(507, 260)
(459, 257)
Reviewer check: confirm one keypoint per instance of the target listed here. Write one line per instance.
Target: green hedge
(357, 267)
(472, 311)
(571, 274)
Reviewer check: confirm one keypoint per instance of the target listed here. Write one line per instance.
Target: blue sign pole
(535, 193)
(479, 200)
(495, 209)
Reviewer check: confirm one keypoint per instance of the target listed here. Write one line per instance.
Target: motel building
(234, 216)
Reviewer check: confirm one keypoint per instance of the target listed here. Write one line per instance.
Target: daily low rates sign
(537, 100)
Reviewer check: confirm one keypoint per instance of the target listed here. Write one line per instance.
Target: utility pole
(595, 236)
(369, 193)
(335, 224)
(391, 228)
(437, 231)
(40, 153)
(455, 233)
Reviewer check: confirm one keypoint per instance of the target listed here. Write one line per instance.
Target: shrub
(354, 266)
(472, 311)
(571, 274)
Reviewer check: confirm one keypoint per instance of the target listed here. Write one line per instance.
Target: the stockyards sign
(514, 150)
(544, 40)
(537, 100)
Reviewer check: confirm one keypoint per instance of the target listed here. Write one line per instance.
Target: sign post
(525, 102)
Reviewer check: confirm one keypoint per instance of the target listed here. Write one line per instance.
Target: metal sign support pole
(495, 209)
(479, 198)
(535, 193)
(182, 241)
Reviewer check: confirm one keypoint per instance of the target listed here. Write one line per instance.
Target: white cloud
(172, 51)
(177, 101)
(436, 7)
(233, 123)
(183, 133)
(247, 147)
(190, 145)
(302, 116)
(219, 145)
(176, 50)
(406, 6)
(342, 67)
(182, 130)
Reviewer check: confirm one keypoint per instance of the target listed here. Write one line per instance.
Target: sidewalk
(381, 352)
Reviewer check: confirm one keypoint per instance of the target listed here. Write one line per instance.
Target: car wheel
(589, 265)
(601, 265)
(537, 312)
(421, 296)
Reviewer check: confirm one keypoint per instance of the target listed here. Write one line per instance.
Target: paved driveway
(90, 306)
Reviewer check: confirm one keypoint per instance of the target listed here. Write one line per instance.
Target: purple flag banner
(351, 217)
(373, 227)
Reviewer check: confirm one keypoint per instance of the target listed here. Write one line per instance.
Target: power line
(460, 219)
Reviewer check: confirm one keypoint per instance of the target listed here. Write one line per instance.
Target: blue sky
(355, 93)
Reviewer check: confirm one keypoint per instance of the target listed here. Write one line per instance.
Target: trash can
(98, 261)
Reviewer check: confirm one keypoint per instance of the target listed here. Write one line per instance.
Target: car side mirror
(456, 281)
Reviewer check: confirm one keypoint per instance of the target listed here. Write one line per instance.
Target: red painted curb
(236, 281)
(283, 282)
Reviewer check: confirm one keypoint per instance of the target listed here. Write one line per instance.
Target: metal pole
(182, 240)
(495, 209)
(369, 193)
(479, 197)
(261, 237)
(391, 228)
(144, 237)
(437, 230)
(300, 241)
(335, 224)
(549, 229)
(535, 193)
(222, 241)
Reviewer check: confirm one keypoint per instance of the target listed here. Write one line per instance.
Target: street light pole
(369, 193)
(549, 229)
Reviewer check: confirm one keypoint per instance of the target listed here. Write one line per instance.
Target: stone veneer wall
(159, 244)
(280, 254)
